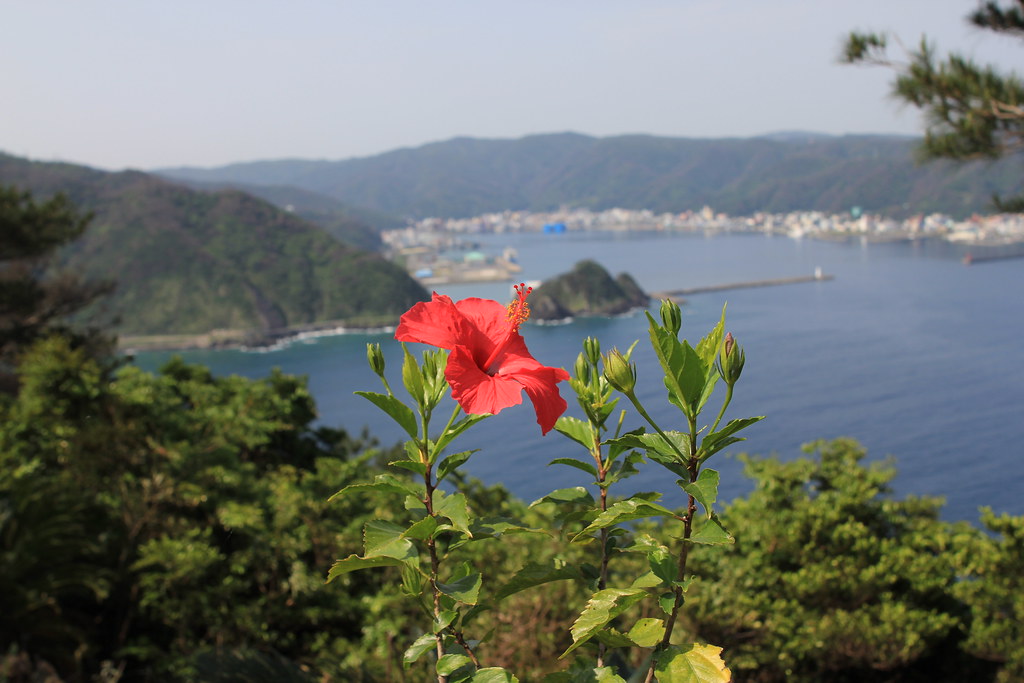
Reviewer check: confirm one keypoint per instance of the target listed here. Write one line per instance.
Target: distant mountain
(355, 226)
(776, 173)
(190, 262)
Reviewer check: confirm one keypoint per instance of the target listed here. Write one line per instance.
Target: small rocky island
(587, 289)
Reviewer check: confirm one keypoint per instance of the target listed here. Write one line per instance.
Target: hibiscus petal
(488, 315)
(476, 391)
(541, 386)
(436, 322)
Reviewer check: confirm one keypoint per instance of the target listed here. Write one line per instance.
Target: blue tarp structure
(554, 227)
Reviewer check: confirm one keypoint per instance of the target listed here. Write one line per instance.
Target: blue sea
(908, 350)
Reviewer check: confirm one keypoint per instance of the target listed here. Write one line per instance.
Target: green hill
(188, 262)
(587, 289)
(791, 172)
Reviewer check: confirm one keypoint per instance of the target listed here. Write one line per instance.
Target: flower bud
(592, 347)
(731, 360)
(619, 372)
(671, 317)
(582, 368)
(375, 357)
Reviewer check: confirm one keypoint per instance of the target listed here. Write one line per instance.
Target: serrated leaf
(705, 489)
(496, 527)
(456, 429)
(578, 464)
(576, 495)
(716, 441)
(493, 674)
(667, 602)
(398, 411)
(625, 511)
(354, 563)
(613, 638)
(647, 632)
(577, 430)
(455, 509)
(425, 643)
(674, 445)
(660, 560)
(695, 664)
(411, 465)
(465, 589)
(711, 532)
(684, 370)
(535, 574)
(452, 462)
(422, 529)
(382, 483)
(602, 607)
(386, 539)
(711, 344)
(449, 664)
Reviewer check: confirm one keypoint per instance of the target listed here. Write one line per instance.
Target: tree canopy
(973, 111)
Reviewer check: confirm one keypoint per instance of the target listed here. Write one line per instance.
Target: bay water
(908, 350)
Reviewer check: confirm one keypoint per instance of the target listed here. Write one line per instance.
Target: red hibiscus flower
(489, 365)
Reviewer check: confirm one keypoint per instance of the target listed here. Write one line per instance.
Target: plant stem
(725, 404)
(602, 472)
(684, 552)
(435, 563)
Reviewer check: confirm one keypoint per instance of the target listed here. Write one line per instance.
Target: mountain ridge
(777, 172)
(190, 262)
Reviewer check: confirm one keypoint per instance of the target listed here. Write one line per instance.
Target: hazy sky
(141, 84)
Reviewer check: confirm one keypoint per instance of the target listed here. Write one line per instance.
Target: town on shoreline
(440, 250)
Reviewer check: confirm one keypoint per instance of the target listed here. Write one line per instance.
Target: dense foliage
(175, 527)
(191, 262)
(467, 177)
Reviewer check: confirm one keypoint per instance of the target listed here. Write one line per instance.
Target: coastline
(249, 339)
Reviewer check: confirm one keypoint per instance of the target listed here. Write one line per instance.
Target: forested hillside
(187, 261)
(467, 176)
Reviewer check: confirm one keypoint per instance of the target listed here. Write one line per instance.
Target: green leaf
(647, 632)
(425, 643)
(386, 539)
(660, 559)
(577, 430)
(449, 664)
(453, 461)
(466, 589)
(496, 527)
(674, 445)
(456, 429)
(613, 638)
(576, 495)
(705, 489)
(685, 372)
(399, 412)
(602, 607)
(354, 563)
(710, 345)
(578, 464)
(695, 664)
(716, 441)
(382, 483)
(444, 620)
(422, 529)
(625, 511)
(454, 508)
(711, 532)
(493, 674)
(412, 378)
(411, 465)
(535, 574)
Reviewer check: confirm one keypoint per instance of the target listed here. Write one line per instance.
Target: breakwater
(680, 293)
